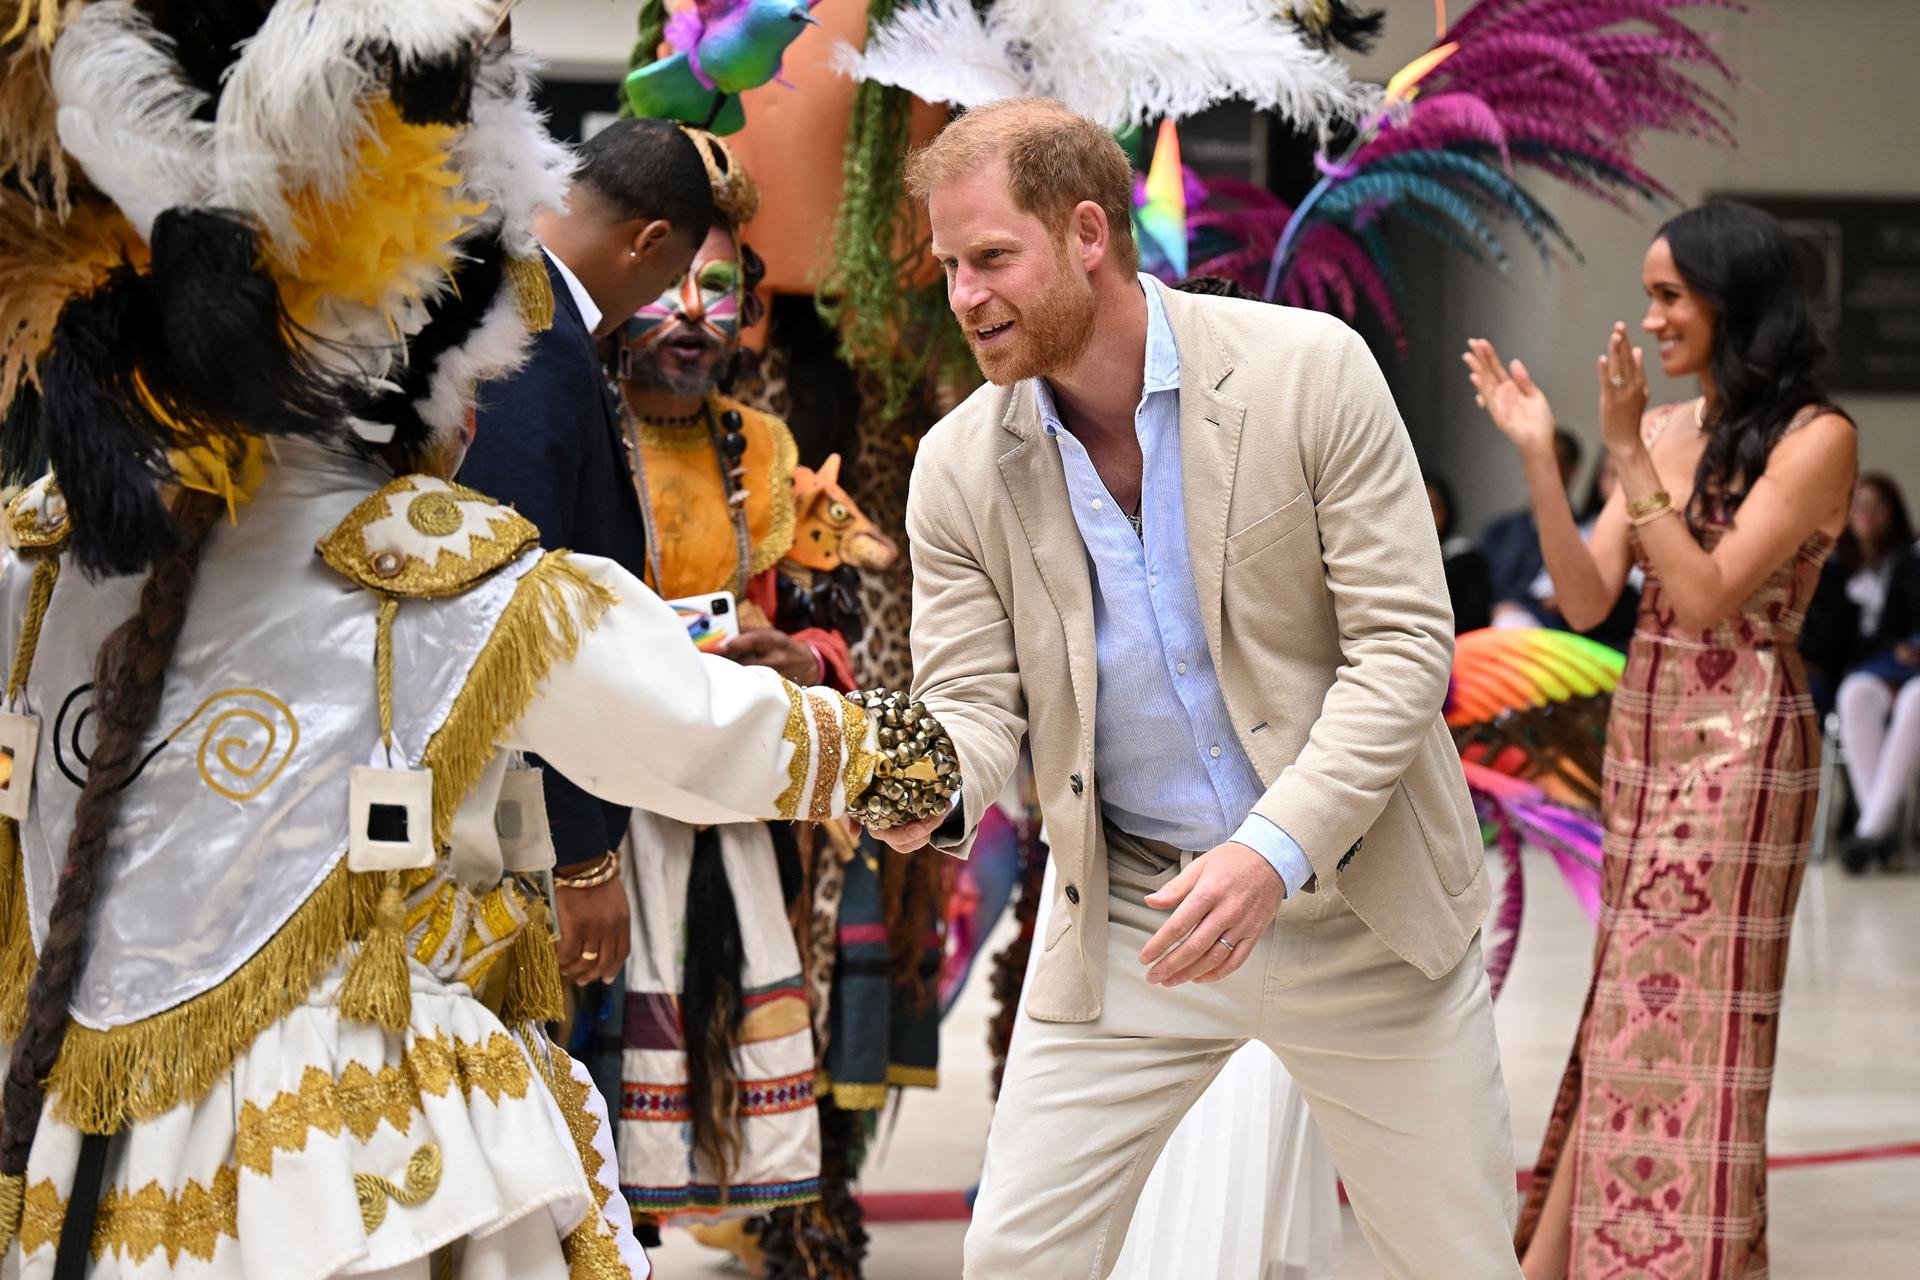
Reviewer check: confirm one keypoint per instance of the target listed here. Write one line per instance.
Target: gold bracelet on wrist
(1650, 511)
(1650, 508)
(604, 870)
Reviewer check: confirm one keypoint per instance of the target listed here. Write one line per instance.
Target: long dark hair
(1765, 351)
(129, 677)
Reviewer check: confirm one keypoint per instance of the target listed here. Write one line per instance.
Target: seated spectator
(1512, 547)
(1878, 603)
(1469, 583)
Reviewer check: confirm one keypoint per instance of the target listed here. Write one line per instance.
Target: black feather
(206, 36)
(22, 457)
(1349, 28)
(452, 318)
(223, 352)
(106, 448)
(196, 351)
(435, 90)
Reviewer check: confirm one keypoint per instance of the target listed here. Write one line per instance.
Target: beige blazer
(1326, 611)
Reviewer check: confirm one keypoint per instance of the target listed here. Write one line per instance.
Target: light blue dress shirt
(1169, 764)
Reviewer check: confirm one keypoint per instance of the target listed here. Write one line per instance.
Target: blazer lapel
(1037, 484)
(1210, 426)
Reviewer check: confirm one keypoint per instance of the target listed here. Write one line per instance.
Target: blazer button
(1073, 895)
(1077, 784)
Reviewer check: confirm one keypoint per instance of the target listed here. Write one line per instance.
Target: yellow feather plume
(389, 235)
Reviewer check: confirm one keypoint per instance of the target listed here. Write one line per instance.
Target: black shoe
(1857, 853)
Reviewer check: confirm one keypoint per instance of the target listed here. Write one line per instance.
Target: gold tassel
(17, 961)
(379, 986)
(534, 993)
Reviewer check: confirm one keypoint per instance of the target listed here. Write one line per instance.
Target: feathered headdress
(260, 218)
(1570, 89)
(1141, 61)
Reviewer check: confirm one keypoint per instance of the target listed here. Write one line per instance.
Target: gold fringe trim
(17, 960)
(552, 609)
(853, 1096)
(13, 1194)
(105, 1080)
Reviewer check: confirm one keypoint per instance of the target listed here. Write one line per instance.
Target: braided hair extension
(129, 678)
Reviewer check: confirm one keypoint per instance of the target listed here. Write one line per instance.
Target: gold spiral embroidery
(423, 1179)
(241, 748)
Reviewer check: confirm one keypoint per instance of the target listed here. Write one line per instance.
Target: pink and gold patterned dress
(1712, 771)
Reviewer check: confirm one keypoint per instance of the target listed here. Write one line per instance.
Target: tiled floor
(1848, 1078)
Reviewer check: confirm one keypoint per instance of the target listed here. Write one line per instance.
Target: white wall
(1825, 111)
(579, 39)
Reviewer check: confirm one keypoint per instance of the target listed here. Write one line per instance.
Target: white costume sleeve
(642, 718)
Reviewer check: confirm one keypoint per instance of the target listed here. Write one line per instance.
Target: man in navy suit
(549, 441)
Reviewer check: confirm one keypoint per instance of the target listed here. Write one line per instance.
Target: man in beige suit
(1182, 543)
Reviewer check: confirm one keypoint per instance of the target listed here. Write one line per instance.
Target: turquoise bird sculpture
(725, 47)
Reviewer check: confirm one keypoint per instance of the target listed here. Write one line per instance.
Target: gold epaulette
(423, 537)
(37, 517)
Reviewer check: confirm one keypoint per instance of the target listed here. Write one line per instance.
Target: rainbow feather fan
(1569, 89)
(1527, 708)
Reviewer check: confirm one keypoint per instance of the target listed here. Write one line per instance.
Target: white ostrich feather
(127, 116)
(506, 157)
(496, 348)
(1122, 62)
(939, 52)
(293, 112)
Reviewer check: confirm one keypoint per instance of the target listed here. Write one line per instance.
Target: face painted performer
(270, 858)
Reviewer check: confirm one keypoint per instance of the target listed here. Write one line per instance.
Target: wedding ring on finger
(589, 956)
(1617, 380)
(1222, 942)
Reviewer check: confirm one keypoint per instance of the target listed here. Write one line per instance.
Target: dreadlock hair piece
(129, 679)
(710, 1006)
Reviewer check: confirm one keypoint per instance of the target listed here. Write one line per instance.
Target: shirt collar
(1162, 363)
(590, 312)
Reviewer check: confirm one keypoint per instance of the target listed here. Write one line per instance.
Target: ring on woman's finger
(1481, 401)
(1617, 380)
(589, 955)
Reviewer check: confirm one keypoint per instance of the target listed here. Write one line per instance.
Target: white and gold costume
(207, 1021)
(254, 250)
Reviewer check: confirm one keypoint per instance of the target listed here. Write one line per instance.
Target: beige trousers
(1402, 1074)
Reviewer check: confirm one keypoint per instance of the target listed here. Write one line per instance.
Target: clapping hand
(1623, 393)
(1507, 393)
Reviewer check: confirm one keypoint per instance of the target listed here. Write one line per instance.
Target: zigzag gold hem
(106, 1079)
(554, 606)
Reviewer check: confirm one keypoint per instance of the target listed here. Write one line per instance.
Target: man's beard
(1047, 338)
(647, 373)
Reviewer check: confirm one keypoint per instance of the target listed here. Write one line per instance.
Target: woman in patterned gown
(1655, 1159)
